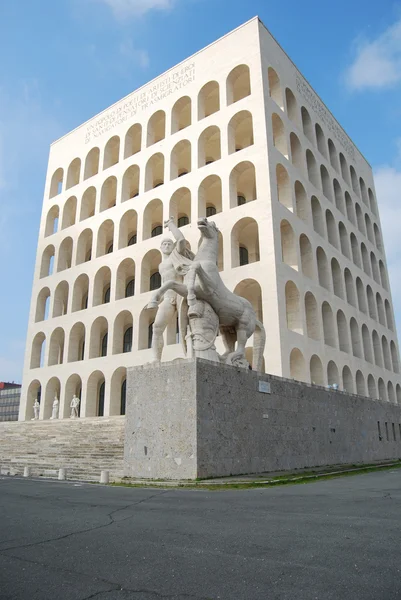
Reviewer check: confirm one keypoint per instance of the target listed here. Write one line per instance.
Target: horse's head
(207, 228)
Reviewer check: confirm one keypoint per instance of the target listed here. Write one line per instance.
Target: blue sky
(62, 62)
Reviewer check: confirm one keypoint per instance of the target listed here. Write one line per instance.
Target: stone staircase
(84, 447)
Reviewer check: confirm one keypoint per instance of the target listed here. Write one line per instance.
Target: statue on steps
(36, 408)
(55, 408)
(172, 253)
(74, 405)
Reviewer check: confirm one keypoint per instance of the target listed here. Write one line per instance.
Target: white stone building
(234, 130)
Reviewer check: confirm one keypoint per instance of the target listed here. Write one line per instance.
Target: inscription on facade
(134, 104)
(306, 92)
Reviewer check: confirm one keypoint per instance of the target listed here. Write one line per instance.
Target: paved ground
(337, 540)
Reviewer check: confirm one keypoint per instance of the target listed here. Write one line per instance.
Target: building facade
(10, 395)
(234, 133)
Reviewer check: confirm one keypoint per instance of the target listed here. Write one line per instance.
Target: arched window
(92, 163)
(209, 146)
(156, 128)
(238, 84)
(243, 256)
(211, 211)
(130, 288)
(349, 287)
(155, 281)
(279, 135)
(328, 325)
(333, 155)
(313, 169)
(326, 183)
(331, 229)
(133, 140)
(323, 268)
(275, 88)
(288, 245)
(241, 200)
(181, 114)
(127, 343)
(208, 99)
(150, 335)
(292, 107)
(307, 260)
(307, 125)
(104, 345)
(312, 318)
(296, 152)
(293, 312)
(73, 173)
(342, 330)
(158, 230)
(297, 365)
(338, 195)
(301, 202)
(111, 152)
(123, 399)
(316, 371)
(321, 142)
(100, 403)
(348, 382)
(106, 297)
(132, 240)
(344, 168)
(182, 221)
(56, 184)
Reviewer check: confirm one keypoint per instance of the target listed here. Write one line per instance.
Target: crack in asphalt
(117, 587)
(109, 515)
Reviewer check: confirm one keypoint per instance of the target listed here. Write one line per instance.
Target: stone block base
(196, 419)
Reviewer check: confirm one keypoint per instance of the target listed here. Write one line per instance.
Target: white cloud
(388, 188)
(127, 8)
(377, 63)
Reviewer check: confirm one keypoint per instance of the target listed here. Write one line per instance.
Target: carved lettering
(306, 92)
(131, 106)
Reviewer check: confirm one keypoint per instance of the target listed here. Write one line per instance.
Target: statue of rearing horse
(202, 281)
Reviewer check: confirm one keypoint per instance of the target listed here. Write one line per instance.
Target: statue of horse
(202, 281)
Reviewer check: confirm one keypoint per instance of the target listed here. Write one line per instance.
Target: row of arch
(346, 381)
(296, 200)
(320, 323)
(238, 87)
(315, 135)
(103, 337)
(294, 252)
(100, 396)
(242, 188)
(244, 239)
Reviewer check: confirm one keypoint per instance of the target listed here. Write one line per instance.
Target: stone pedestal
(196, 419)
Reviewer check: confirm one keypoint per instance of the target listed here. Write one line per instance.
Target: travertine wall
(194, 419)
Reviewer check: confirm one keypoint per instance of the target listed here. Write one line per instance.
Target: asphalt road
(337, 539)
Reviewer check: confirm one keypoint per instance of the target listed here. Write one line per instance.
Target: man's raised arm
(177, 233)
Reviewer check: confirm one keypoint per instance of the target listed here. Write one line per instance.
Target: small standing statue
(55, 408)
(36, 407)
(74, 405)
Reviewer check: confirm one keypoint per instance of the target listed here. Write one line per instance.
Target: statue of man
(74, 405)
(36, 408)
(172, 253)
(55, 408)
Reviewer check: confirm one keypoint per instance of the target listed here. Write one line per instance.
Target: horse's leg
(189, 281)
(180, 288)
(196, 270)
(228, 336)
